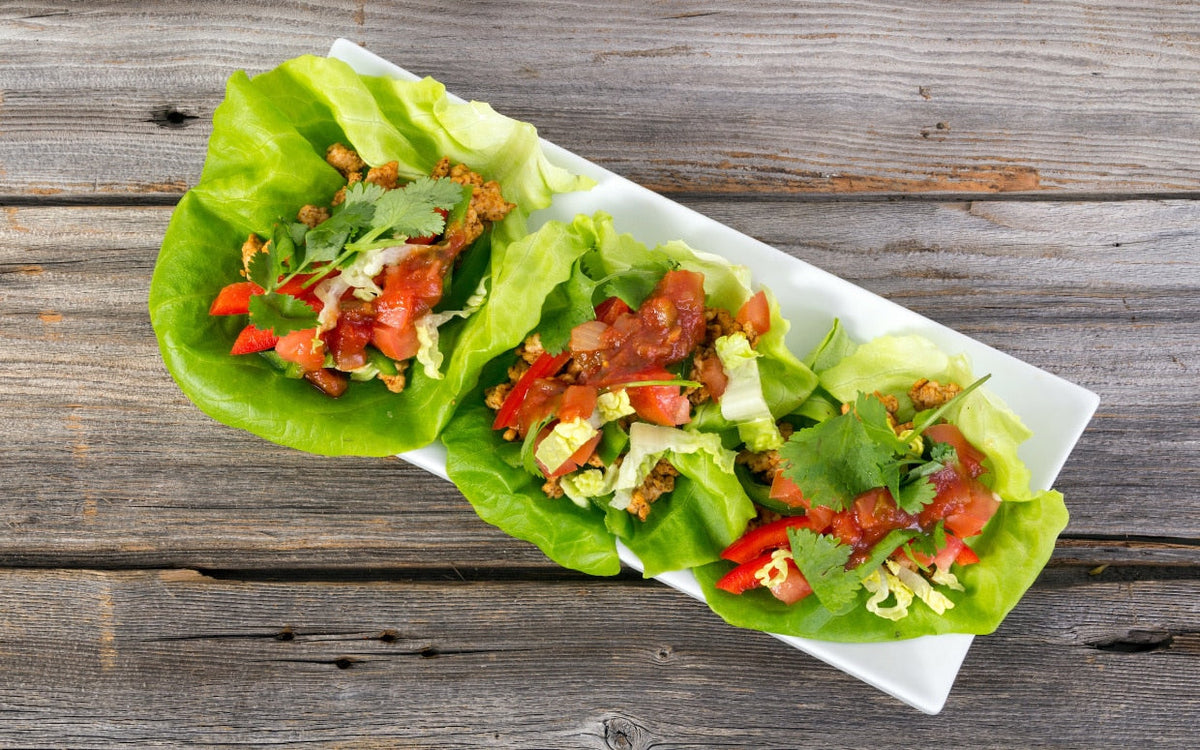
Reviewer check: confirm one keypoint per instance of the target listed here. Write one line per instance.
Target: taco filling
(349, 291)
(896, 539)
(626, 380)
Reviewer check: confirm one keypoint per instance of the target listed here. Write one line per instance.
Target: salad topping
(349, 291)
(583, 412)
(863, 501)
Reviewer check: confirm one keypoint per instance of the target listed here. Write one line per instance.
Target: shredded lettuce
(428, 353)
(585, 484)
(648, 443)
(612, 405)
(743, 402)
(562, 442)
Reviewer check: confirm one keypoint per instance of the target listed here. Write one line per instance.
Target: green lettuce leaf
(265, 160)
(690, 526)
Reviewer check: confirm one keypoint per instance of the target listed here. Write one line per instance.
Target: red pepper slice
(545, 366)
(253, 339)
(234, 299)
(742, 577)
(764, 539)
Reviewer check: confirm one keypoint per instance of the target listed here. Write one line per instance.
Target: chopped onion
(585, 337)
(330, 292)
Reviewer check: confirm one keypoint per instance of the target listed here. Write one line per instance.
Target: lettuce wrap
(1014, 545)
(265, 161)
(708, 507)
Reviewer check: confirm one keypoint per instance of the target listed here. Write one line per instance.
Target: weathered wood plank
(1071, 96)
(105, 463)
(132, 658)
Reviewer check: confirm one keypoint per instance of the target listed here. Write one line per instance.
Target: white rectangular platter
(918, 671)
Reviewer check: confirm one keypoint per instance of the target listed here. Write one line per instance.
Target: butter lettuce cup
(330, 284)
(898, 507)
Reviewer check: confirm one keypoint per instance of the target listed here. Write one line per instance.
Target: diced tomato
(969, 456)
(742, 578)
(299, 347)
(330, 382)
(541, 401)
(955, 551)
(708, 370)
(664, 330)
(757, 312)
(611, 309)
(820, 517)
(964, 503)
(966, 556)
(793, 588)
(660, 404)
(578, 402)
(234, 299)
(786, 491)
(395, 343)
(876, 510)
(763, 539)
(411, 288)
(348, 340)
(545, 366)
(252, 339)
(845, 528)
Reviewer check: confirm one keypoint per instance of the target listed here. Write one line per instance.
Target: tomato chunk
(660, 404)
(300, 347)
(757, 312)
(543, 367)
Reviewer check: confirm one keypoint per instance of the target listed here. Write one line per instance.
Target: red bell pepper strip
(544, 367)
(234, 299)
(764, 539)
(742, 578)
(252, 339)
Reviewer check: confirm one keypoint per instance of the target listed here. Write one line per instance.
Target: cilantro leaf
(835, 461)
(281, 313)
(258, 270)
(874, 417)
(916, 495)
(882, 550)
(412, 210)
(324, 242)
(822, 559)
(361, 192)
(437, 192)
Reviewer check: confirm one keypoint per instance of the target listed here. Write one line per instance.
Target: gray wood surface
(1025, 173)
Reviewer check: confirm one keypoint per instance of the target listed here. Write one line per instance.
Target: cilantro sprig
(370, 218)
(837, 460)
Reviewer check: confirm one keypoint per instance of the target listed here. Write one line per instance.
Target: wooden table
(1026, 173)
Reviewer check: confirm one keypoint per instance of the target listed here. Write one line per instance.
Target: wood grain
(123, 658)
(1066, 97)
(107, 464)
